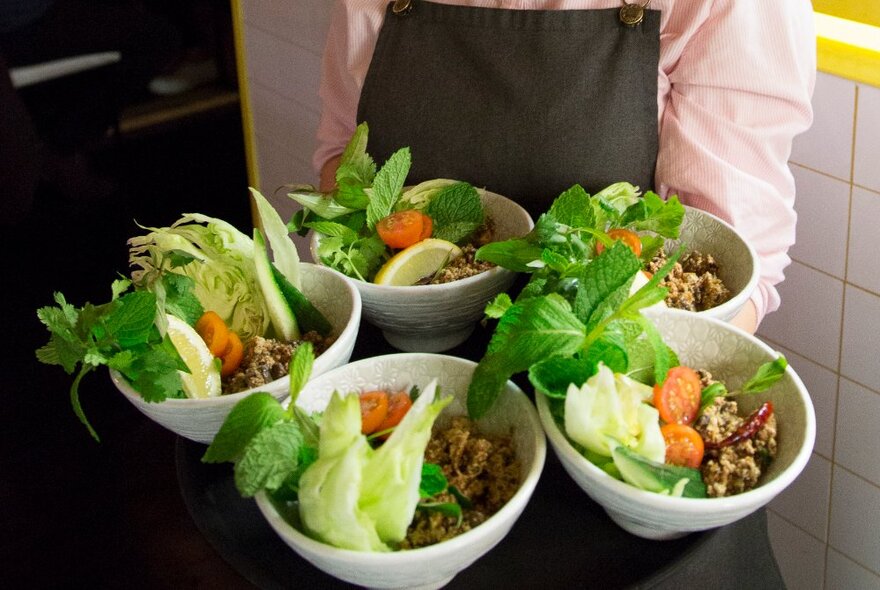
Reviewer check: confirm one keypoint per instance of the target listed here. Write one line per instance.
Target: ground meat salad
(483, 468)
(465, 266)
(693, 283)
(735, 468)
(267, 359)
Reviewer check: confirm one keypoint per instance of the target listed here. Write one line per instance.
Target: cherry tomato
(232, 355)
(678, 397)
(213, 331)
(374, 409)
(404, 228)
(684, 445)
(398, 405)
(628, 237)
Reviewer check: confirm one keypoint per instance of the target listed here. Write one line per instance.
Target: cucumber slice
(309, 317)
(283, 249)
(283, 320)
(658, 477)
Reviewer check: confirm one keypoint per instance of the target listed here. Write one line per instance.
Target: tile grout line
(876, 191)
(841, 335)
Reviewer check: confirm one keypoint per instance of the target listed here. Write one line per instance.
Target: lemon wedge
(203, 380)
(420, 260)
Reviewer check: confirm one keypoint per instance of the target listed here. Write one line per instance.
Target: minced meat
(693, 282)
(483, 468)
(462, 267)
(735, 468)
(267, 359)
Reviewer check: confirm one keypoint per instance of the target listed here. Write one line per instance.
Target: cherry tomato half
(398, 405)
(678, 397)
(684, 445)
(374, 409)
(628, 237)
(404, 228)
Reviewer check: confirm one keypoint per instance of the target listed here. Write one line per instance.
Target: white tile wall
(827, 146)
(284, 40)
(858, 412)
(803, 567)
(845, 574)
(822, 206)
(808, 321)
(866, 169)
(864, 231)
(861, 338)
(812, 488)
(855, 519)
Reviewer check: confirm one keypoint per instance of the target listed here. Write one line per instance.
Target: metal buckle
(401, 7)
(632, 14)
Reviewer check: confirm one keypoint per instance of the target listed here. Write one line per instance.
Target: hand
(747, 318)
(328, 174)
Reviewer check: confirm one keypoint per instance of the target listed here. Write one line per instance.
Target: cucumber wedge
(658, 477)
(309, 317)
(283, 249)
(283, 320)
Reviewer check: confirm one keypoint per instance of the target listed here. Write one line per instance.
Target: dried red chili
(748, 429)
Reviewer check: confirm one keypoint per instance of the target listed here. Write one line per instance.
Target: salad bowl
(435, 318)
(200, 419)
(731, 355)
(435, 565)
(737, 260)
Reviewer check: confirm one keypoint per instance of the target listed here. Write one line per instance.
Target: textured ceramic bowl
(435, 565)
(200, 419)
(738, 265)
(434, 318)
(732, 356)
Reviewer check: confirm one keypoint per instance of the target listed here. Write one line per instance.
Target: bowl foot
(644, 531)
(435, 585)
(427, 342)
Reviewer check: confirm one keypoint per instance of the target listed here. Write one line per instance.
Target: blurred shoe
(190, 74)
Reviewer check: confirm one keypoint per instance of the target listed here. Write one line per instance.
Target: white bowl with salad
(630, 446)
(374, 513)
(409, 249)
(206, 312)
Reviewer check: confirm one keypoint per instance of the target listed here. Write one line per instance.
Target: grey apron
(524, 103)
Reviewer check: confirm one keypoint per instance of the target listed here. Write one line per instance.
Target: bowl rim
(757, 496)
(315, 237)
(732, 305)
(349, 331)
(450, 546)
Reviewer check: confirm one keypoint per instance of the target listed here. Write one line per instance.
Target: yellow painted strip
(867, 12)
(250, 144)
(848, 61)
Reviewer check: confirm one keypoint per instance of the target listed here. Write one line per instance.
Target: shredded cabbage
(222, 268)
(362, 499)
(610, 409)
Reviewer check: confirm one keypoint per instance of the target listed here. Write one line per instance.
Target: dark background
(75, 512)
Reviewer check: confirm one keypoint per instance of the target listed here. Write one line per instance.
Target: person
(49, 129)
(528, 97)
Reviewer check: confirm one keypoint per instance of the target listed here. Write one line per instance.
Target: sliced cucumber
(309, 317)
(658, 477)
(283, 320)
(283, 249)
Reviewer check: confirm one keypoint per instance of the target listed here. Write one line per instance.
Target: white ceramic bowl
(434, 318)
(738, 264)
(200, 419)
(435, 565)
(732, 356)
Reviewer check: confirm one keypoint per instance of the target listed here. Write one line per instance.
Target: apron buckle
(401, 7)
(632, 14)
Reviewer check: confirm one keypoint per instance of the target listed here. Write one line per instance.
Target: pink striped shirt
(735, 80)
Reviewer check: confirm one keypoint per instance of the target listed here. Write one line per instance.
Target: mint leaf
(269, 459)
(573, 208)
(611, 270)
(131, 319)
(336, 230)
(528, 332)
(766, 376)
(180, 297)
(651, 213)
(514, 254)
(553, 376)
(300, 370)
(387, 186)
(248, 417)
(499, 305)
(456, 211)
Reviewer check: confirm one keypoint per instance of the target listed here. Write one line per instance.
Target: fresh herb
(764, 378)
(122, 335)
(347, 216)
